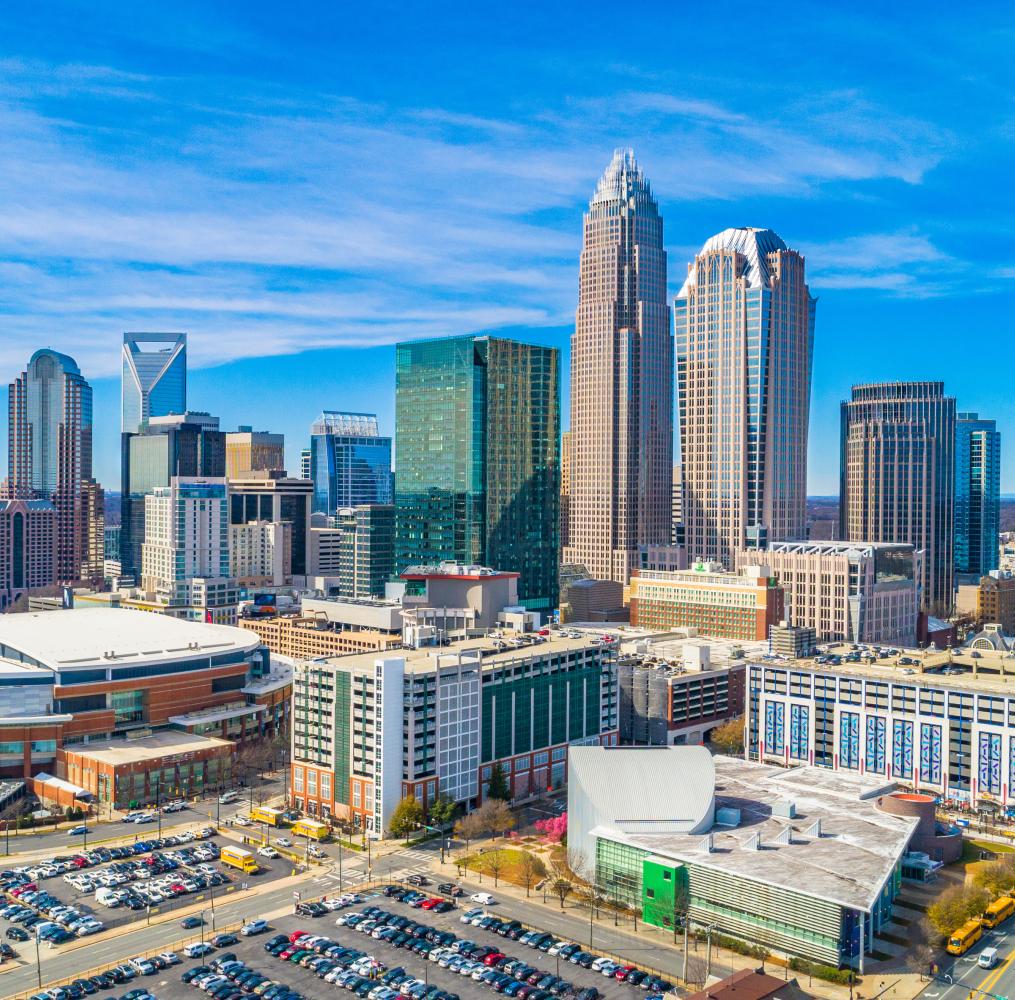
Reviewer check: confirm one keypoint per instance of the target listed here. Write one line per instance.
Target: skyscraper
(565, 489)
(154, 381)
(185, 555)
(350, 462)
(367, 549)
(50, 454)
(183, 444)
(744, 322)
(621, 380)
(477, 432)
(897, 476)
(977, 494)
(274, 498)
(248, 450)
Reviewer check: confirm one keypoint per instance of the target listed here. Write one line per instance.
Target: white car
(241, 821)
(268, 852)
(482, 897)
(283, 842)
(469, 915)
(254, 927)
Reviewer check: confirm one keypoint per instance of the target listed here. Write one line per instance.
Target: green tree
(498, 788)
(955, 906)
(442, 811)
(407, 817)
(998, 877)
(729, 737)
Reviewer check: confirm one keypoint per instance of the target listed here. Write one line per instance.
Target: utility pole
(38, 960)
(339, 860)
(687, 925)
(158, 803)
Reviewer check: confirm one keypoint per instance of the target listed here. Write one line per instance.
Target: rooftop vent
(784, 809)
(727, 816)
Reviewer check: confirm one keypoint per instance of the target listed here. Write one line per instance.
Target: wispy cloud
(269, 221)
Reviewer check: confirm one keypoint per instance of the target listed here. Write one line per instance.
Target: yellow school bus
(311, 828)
(239, 857)
(998, 911)
(965, 937)
(265, 814)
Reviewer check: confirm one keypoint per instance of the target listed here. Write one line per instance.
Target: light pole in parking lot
(38, 960)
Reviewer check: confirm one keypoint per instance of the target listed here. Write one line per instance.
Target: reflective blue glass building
(154, 377)
(977, 494)
(350, 462)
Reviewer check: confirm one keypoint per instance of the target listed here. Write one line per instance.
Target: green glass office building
(477, 441)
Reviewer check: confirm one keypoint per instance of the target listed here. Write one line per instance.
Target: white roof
(640, 790)
(79, 637)
(753, 243)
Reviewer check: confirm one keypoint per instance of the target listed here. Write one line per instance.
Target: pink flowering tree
(554, 830)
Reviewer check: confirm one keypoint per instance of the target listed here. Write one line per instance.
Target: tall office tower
(248, 450)
(350, 462)
(180, 444)
(977, 495)
(274, 498)
(477, 432)
(93, 532)
(50, 451)
(27, 548)
(185, 555)
(366, 550)
(565, 489)
(304, 463)
(621, 380)
(897, 477)
(744, 322)
(678, 507)
(154, 381)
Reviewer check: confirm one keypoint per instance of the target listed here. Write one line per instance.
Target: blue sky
(300, 187)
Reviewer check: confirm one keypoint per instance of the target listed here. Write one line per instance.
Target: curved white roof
(640, 790)
(82, 637)
(753, 243)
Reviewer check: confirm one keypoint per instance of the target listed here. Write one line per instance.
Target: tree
(499, 818)
(442, 811)
(955, 906)
(554, 830)
(997, 878)
(729, 737)
(560, 881)
(408, 816)
(530, 870)
(498, 787)
(493, 863)
(470, 827)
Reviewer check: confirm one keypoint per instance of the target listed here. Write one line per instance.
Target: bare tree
(494, 863)
(560, 881)
(530, 870)
(470, 827)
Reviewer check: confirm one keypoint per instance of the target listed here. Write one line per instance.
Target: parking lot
(387, 956)
(138, 881)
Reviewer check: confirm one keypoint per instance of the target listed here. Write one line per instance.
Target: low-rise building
(371, 729)
(125, 773)
(798, 860)
(940, 721)
(995, 600)
(309, 637)
(860, 591)
(667, 701)
(740, 605)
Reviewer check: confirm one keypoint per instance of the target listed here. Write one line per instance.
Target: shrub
(827, 972)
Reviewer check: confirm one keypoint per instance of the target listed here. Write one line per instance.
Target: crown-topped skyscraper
(621, 380)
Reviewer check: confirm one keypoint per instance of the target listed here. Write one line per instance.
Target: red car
(429, 904)
(79, 862)
(623, 972)
(296, 935)
(493, 958)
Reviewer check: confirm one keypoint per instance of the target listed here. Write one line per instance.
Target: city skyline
(469, 216)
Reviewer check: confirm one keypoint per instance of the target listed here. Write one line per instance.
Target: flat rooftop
(847, 862)
(81, 637)
(422, 659)
(989, 671)
(147, 748)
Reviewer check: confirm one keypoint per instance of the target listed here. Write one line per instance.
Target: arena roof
(111, 637)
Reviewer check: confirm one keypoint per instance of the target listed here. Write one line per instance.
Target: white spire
(620, 176)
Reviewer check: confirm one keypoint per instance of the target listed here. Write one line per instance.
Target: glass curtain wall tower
(154, 382)
(478, 444)
(977, 494)
(897, 477)
(350, 462)
(744, 322)
(621, 461)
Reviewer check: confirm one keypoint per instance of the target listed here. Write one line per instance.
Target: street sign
(296, 894)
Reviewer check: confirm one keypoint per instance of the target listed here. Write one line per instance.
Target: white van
(987, 959)
(226, 797)
(107, 898)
